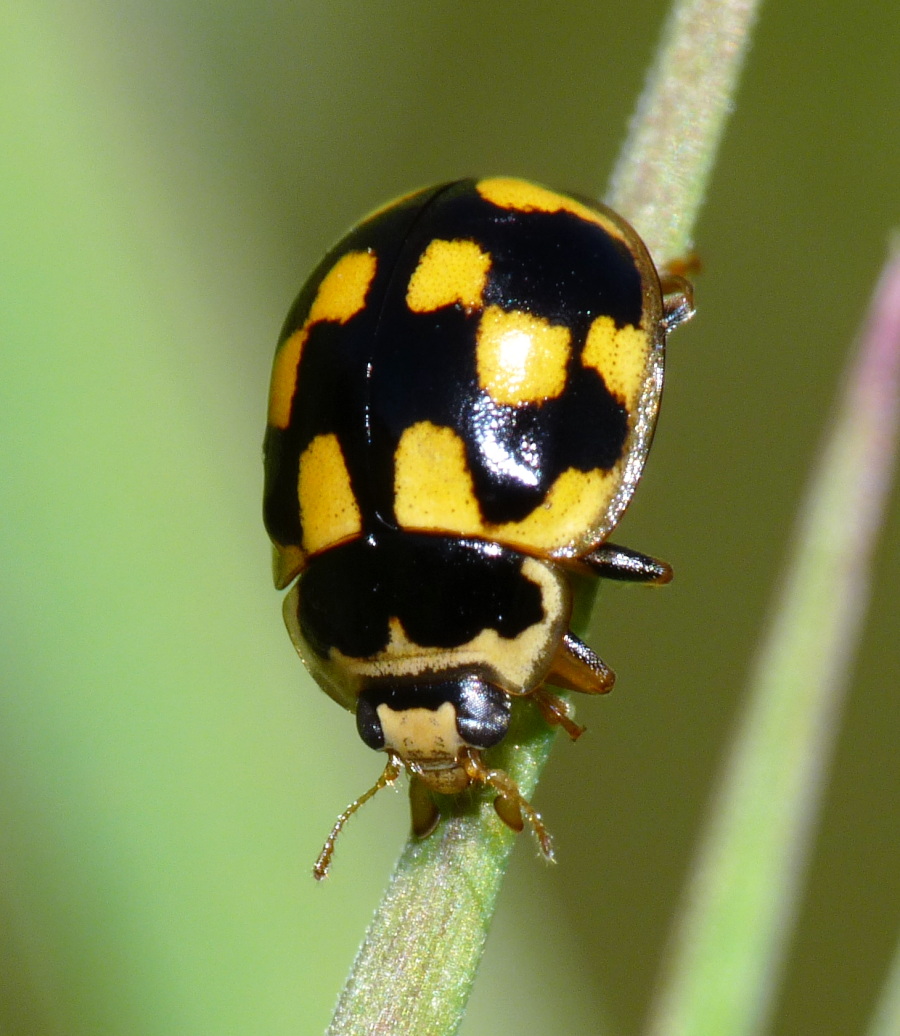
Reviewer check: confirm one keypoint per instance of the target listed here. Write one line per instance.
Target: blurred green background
(169, 172)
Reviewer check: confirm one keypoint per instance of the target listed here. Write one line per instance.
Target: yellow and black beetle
(463, 397)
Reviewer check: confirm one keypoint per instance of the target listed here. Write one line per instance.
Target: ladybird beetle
(462, 400)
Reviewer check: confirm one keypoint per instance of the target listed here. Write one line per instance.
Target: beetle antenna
(511, 805)
(391, 772)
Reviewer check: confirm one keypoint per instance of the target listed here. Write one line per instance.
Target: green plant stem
(415, 968)
(417, 963)
(728, 947)
(661, 177)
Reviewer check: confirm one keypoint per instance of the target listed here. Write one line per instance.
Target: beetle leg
(422, 807)
(612, 562)
(391, 772)
(678, 300)
(576, 667)
(510, 804)
(510, 812)
(555, 711)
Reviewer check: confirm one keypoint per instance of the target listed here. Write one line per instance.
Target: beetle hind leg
(678, 293)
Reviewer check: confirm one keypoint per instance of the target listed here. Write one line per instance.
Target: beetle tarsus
(557, 712)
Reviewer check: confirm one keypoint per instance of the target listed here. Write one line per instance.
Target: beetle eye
(482, 712)
(368, 724)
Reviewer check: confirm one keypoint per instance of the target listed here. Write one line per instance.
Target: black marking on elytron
(555, 266)
(482, 710)
(388, 368)
(333, 379)
(531, 445)
(443, 590)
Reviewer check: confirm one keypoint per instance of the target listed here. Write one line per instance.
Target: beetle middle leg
(575, 667)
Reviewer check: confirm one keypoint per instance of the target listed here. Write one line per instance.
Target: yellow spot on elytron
(522, 196)
(341, 295)
(432, 484)
(284, 378)
(448, 272)
(575, 504)
(620, 356)
(434, 491)
(521, 358)
(328, 508)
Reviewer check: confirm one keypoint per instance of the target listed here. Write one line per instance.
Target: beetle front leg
(556, 712)
(423, 810)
